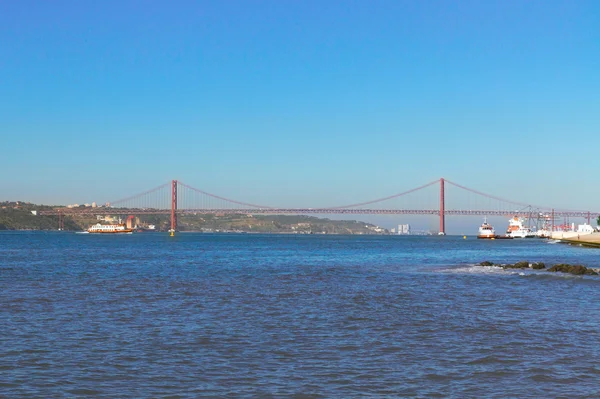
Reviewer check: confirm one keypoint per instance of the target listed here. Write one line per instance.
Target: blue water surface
(298, 316)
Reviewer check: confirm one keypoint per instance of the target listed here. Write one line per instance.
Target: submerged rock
(519, 265)
(561, 267)
(578, 270)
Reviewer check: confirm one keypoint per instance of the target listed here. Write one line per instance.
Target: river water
(279, 316)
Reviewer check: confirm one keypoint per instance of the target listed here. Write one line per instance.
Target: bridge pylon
(173, 207)
(442, 210)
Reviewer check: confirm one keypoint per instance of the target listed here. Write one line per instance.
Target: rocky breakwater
(578, 270)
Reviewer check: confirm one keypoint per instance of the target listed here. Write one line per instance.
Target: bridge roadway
(308, 211)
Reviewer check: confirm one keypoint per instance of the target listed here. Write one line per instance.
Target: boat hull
(494, 237)
(521, 234)
(111, 232)
(109, 229)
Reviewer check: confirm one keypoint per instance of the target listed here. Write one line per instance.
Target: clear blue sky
(300, 103)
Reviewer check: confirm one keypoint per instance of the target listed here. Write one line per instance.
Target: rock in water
(578, 270)
(519, 265)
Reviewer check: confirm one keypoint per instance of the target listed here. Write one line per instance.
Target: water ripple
(292, 317)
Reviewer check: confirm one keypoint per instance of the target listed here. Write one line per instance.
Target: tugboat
(517, 230)
(486, 231)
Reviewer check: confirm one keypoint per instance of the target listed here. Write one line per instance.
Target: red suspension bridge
(175, 198)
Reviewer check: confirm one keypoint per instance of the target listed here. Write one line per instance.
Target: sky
(300, 103)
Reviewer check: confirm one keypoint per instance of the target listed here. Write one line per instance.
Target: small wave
(550, 275)
(475, 269)
(491, 359)
(498, 270)
(527, 273)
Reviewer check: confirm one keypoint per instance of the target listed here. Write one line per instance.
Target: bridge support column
(442, 205)
(173, 208)
(589, 218)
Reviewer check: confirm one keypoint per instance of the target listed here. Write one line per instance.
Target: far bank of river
(588, 240)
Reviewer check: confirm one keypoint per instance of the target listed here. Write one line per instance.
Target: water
(257, 316)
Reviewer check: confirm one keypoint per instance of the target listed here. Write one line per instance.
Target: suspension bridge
(176, 198)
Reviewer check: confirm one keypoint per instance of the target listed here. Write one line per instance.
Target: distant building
(404, 229)
(94, 205)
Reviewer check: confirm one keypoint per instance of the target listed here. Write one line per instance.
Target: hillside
(293, 224)
(19, 215)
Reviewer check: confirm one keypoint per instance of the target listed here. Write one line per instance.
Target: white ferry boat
(516, 229)
(486, 230)
(109, 229)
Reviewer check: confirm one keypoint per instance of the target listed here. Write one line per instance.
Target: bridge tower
(589, 218)
(173, 207)
(442, 205)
